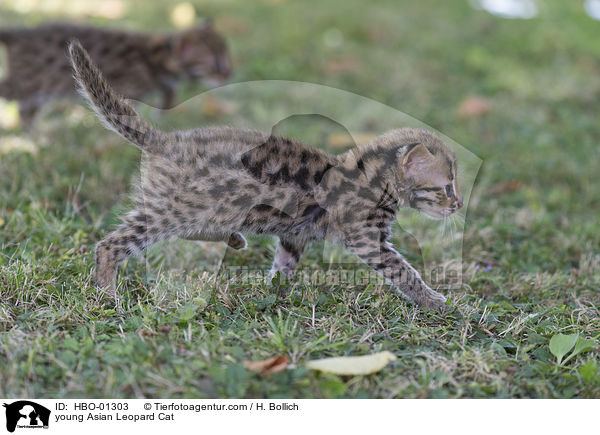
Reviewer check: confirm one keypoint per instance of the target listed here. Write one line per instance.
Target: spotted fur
(135, 63)
(216, 183)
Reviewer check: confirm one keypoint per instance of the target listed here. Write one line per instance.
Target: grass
(531, 250)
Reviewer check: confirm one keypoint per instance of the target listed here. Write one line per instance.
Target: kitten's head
(201, 52)
(428, 168)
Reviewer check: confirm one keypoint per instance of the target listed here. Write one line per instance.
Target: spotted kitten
(215, 183)
(135, 63)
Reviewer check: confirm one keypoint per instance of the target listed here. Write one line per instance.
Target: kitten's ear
(417, 159)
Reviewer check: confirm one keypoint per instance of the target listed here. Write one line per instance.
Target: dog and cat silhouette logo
(26, 414)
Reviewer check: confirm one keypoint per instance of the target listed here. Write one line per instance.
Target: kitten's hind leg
(131, 238)
(287, 257)
(234, 240)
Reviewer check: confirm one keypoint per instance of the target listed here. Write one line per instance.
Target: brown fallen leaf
(164, 329)
(147, 332)
(267, 366)
(473, 107)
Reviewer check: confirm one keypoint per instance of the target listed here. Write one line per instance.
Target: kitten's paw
(106, 286)
(434, 301)
(237, 241)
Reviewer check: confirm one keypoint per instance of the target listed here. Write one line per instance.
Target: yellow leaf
(267, 366)
(1, 222)
(183, 15)
(353, 365)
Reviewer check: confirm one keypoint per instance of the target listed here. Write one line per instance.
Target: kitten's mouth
(430, 211)
(437, 214)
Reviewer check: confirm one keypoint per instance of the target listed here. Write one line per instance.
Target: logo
(26, 414)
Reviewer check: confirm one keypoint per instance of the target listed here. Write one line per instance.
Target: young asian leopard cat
(135, 63)
(215, 183)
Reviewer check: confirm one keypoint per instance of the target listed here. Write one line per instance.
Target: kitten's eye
(449, 192)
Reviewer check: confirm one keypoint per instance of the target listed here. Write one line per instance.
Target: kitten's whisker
(443, 227)
(455, 227)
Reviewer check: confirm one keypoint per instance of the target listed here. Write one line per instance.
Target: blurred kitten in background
(137, 64)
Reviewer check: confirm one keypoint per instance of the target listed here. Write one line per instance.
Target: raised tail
(112, 109)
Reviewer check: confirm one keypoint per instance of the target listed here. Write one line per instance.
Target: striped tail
(112, 109)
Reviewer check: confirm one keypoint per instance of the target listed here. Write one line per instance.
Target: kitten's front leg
(372, 248)
(287, 257)
(286, 261)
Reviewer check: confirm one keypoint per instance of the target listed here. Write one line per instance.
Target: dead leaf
(267, 366)
(473, 107)
(353, 365)
(164, 329)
